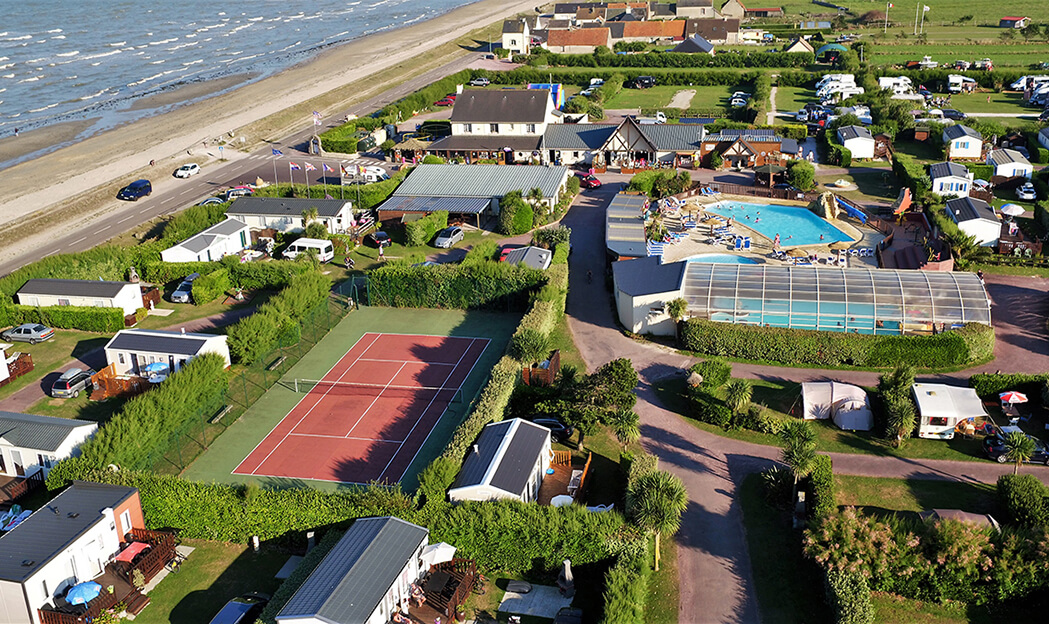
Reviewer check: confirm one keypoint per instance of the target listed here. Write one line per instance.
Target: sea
(64, 60)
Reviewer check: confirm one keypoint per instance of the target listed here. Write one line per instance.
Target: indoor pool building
(860, 300)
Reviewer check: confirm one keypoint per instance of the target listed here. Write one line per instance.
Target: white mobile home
(976, 218)
(643, 287)
(285, 214)
(950, 179)
(857, 140)
(962, 142)
(87, 293)
(1009, 163)
(508, 461)
(222, 239)
(942, 407)
(131, 350)
(30, 444)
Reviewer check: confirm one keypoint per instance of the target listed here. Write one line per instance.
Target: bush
(708, 409)
(573, 185)
(626, 591)
(100, 320)
(252, 337)
(1024, 499)
(820, 487)
(167, 272)
(422, 231)
(715, 373)
(432, 159)
(464, 286)
(776, 344)
(849, 597)
(210, 287)
(989, 385)
(560, 254)
(107, 262)
(278, 321)
(529, 345)
(802, 174)
(192, 221)
(658, 183)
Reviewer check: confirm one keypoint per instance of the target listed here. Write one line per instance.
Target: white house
(642, 288)
(285, 214)
(516, 36)
(364, 578)
(977, 218)
(942, 407)
(222, 239)
(950, 179)
(962, 142)
(857, 140)
(30, 444)
(696, 9)
(532, 256)
(87, 293)
(509, 112)
(1009, 163)
(131, 350)
(508, 461)
(847, 405)
(1043, 137)
(65, 543)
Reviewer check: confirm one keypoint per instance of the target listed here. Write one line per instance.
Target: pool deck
(761, 246)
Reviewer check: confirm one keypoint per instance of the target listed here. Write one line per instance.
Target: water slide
(851, 210)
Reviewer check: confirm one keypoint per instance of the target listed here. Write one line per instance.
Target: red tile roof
(578, 37)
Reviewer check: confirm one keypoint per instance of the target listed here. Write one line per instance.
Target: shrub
(529, 345)
(626, 591)
(421, 231)
(821, 488)
(107, 262)
(210, 287)
(552, 236)
(659, 183)
(989, 385)
(715, 373)
(560, 254)
(433, 159)
(708, 409)
(166, 272)
(101, 320)
(523, 219)
(1024, 499)
(466, 286)
(802, 174)
(849, 597)
(192, 221)
(316, 230)
(573, 185)
(252, 337)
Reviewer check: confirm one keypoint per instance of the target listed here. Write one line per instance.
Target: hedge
(715, 373)
(107, 262)
(989, 385)
(234, 513)
(626, 591)
(84, 318)
(302, 572)
(192, 221)
(143, 427)
(672, 60)
(849, 597)
(279, 319)
(453, 286)
(166, 272)
(560, 255)
(421, 231)
(425, 97)
(211, 286)
(972, 343)
(822, 501)
(1024, 499)
(980, 171)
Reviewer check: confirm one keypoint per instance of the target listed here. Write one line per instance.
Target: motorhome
(896, 84)
(829, 78)
(957, 83)
(323, 249)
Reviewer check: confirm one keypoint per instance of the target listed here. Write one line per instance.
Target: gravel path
(682, 99)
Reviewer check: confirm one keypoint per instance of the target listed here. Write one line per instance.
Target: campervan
(956, 83)
(323, 249)
(829, 78)
(896, 84)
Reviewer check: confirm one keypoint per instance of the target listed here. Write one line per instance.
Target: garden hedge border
(84, 318)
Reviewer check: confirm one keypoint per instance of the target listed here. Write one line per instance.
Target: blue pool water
(716, 258)
(795, 225)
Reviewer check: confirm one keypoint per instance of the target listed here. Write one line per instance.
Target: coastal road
(171, 196)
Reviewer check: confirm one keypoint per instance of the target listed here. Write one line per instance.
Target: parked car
(588, 180)
(994, 447)
(212, 200)
(956, 115)
(28, 332)
(135, 191)
(480, 82)
(786, 187)
(242, 609)
(1026, 192)
(1044, 117)
(240, 191)
(381, 239)
(187, 170)
(587, 92)
(505, 250)
(71, 383)
(1023, 151)
(559, 430)
(642, 82)
(445, 101)
(184, 292)
(448, 237)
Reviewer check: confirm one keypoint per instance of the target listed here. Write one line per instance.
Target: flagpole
(274, 169)
(886, 29)
(916, 9)
(922, 29)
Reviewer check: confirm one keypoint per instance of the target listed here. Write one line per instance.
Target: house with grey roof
(716, 30)
(695, 44)
(517, 36)
(229, 237)
(30, 444)
(625, 227)
(857, 140)
(502, 125)
(573, 144)
(962, 142)
(1009, 163)
(976, 218)
(531, 256)
(284, 214)
(64, 543)
(950, 179)
(364, 578)
(749, 148)
(661, 10)
(482, 182)
(84, 293)
(696, 9)
(507, 462)
(130, 351)
(642, 288)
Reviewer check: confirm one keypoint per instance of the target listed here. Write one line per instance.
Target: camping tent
(846, 404)
(942, 407)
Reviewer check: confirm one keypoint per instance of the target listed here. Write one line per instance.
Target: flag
(327, 169)
(316, 114)
(326, 196)
(310, 167)
(277, 152)
(316, 121)
(891, 5)
(926, 8)
(342, 169)
(293, 166)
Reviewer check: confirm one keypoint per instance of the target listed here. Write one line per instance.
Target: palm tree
(626, 426)
(799, 450)
(738, 393)
(656, 502)
(310, 214)
(1018, 448)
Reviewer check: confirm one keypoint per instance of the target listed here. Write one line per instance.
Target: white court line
(289, 413)
(411, 361)
(339, 437)
(377, 396)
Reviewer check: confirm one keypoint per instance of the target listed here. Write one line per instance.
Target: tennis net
(365, 390)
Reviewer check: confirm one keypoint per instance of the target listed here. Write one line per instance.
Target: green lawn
(874, 494)
(81, 408)
(793, 99)
(1001, 102)
(926, 152)
(366, 256)
(663, 589)
(660, 96)
(213, 573)
(874, 186)
(50, 355)
(184, 313)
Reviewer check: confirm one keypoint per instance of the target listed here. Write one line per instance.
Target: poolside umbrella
(83, 593)
(840, 245)
(1012, 397)
(1011, 210)
(797, 253)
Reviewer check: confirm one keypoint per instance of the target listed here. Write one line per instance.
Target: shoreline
(101, 158)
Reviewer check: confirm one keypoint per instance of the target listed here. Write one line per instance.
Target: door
(16, 459)
(134, 364)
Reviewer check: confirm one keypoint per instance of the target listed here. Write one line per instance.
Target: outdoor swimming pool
(795, 225)
(717, 258)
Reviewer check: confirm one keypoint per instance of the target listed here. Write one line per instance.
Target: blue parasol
(83, 593)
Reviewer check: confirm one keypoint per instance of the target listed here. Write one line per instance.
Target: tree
(656, 502)
(799, 450)
(1018, 448)
(900, 418)
(310, 214)
(738, 393)
(316, 229)
(677, 308)
(1007, 35)
(626, 425)
(387, 146)
(802, 174)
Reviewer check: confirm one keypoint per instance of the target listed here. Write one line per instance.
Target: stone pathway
(682, 99)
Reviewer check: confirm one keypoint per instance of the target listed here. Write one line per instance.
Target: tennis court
(369, 416)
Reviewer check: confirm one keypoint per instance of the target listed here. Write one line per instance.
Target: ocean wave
(35, 61)
(73, 53)
(193, 62)
(33, 79)
(182, 45)
(8, 65)
(256, 19)
(40, 110)
(94, 95)
(95, 56)
(239, 28)
(163, 41)
(117, 44)
(285, 48)
(22, 38)
(156, 62)
(55, 30)
(246, 58)
(144, 80)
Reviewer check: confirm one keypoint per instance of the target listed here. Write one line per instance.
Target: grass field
(942, 11)
(875, 182)
(1001, 102)
(661, 95)
(218, 462)
(793, 99)
(914, 495)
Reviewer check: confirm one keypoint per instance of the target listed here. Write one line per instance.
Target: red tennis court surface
(371, 432)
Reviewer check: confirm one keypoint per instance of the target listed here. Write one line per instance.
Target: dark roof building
(74, 288)
(969, 209)
(695, 44)
(42, 433)
(506, 462)
(504, 105)
(515, 27)
(285, 206)
(714, 30)
(945, 169)
(141, 340)
(854, 132)
(349, 585)
(535, 257)
(577, 136)
(625, 227)
(958, 131)
(647, 276)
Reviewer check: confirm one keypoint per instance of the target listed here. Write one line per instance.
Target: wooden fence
(543, 375)
(109, 384)
(22, 364)
(18, 488)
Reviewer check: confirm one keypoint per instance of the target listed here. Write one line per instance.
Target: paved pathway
(716, 582)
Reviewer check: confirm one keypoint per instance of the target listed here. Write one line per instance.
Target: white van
(323, 249)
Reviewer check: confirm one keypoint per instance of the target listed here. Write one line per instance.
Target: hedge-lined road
(716, 582)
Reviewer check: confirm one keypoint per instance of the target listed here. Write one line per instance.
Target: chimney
(183, 331)
(477, 451)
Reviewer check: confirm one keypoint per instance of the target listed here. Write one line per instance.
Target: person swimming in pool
(821, 236)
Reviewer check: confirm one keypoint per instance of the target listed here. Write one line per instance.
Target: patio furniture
(437, 582)
(573, 483)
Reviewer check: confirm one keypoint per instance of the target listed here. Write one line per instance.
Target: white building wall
(122, 360)
(967, 147)
(1012, 170)
(128, 299)
(986, 232)
(4, 371)
(951, 186)
(634, 313)
(13, 607)
(228, 245)
(860, 147)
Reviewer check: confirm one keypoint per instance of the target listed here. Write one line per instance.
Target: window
(964, 145)
(938, 421)
(100, 303)
(493, 128)
(125, 521)
(63, 302)
(120, 358)
(531, 128)
(468, 128)
(43, 584)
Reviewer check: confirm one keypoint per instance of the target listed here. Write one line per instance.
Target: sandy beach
(111, 157)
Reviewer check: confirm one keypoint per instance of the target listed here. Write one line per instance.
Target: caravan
(323, 249)
(842, 78)
(898, 85)
(957, 83)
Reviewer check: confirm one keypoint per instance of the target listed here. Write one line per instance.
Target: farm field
(943, 11)
(792, 99)
(1007, 102)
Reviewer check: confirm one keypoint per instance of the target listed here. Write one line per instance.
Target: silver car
(449, 237)
(71, 383)
(28, 332)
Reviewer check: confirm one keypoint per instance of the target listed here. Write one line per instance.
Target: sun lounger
(739, 244)
(746, 243)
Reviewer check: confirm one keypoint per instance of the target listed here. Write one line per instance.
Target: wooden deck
(556, 484)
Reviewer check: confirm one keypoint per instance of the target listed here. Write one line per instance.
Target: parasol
(1012, 397)
(83, 593)
(561, 500)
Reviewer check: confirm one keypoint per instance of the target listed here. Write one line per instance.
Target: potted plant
(460, 613)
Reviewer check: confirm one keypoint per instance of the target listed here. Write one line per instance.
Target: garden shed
(942, 407)
(847, 405)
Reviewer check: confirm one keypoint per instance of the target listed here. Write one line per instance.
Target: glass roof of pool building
(866, 301)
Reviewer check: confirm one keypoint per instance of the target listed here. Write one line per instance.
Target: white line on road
(102, 230)
(166, 201)
(124, 219)
(144, 211)
(76, 241)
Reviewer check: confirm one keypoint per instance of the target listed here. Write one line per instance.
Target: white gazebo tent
(846, 404)
(942, 407)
